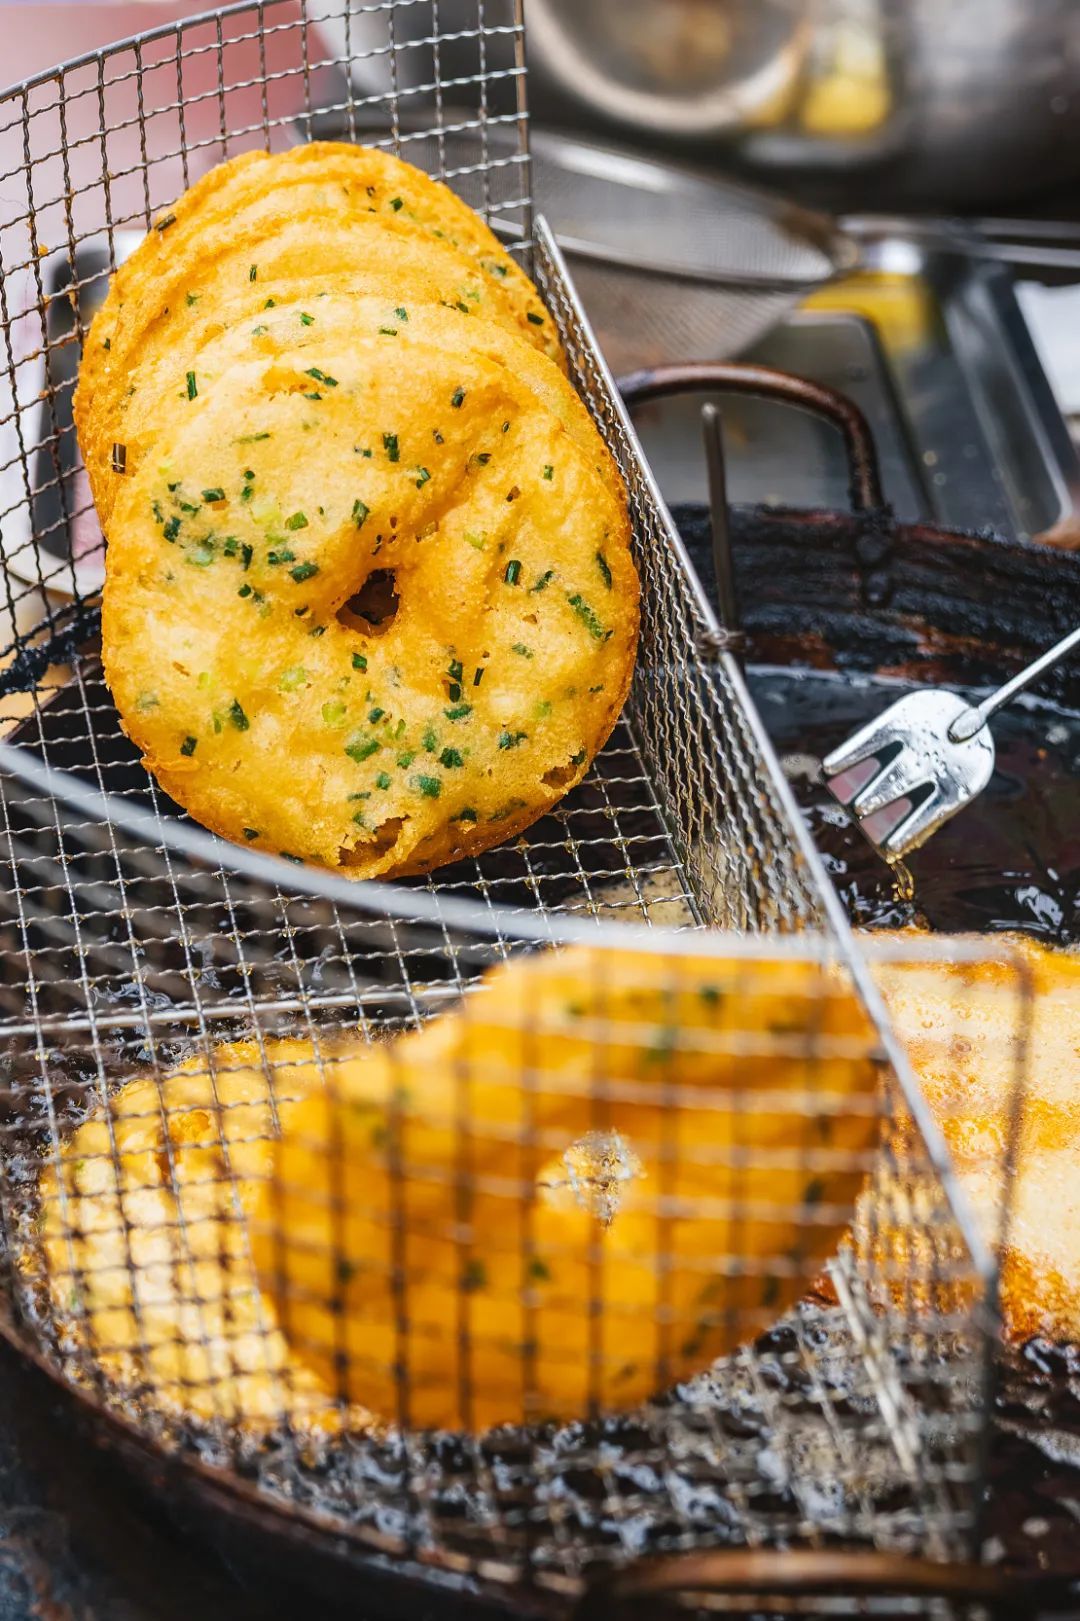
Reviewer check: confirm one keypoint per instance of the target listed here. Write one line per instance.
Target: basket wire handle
(658, 382)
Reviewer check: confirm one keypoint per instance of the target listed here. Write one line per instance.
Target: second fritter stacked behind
(369, 598)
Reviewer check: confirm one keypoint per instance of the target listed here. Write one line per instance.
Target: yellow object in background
(901, 308)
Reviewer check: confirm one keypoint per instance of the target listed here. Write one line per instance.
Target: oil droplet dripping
(903, 882)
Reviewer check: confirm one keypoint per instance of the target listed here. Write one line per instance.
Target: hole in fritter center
(374, 606)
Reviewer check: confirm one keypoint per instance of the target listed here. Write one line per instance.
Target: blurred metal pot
(896, 102)
(884, 103)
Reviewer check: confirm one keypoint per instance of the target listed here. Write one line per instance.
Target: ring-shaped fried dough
(276, 697)
(145, 1243)
(233, 224)
(601, 1172)
(309, 317)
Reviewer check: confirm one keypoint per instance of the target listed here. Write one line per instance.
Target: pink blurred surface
(164, 109)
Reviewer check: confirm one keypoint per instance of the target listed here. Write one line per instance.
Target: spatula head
(901, 776)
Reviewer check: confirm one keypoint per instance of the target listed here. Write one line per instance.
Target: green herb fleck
(537, 320)
(478, 677)
(245, 590)
(451, 759)
(457, 398)
(189, 300)
(382, 780)
(477, 542)
(474, 1275)
(538, 1271)
(280, 554)
(396, 204)
(405, 760)
(513, 572)
(333, 712)
(213, 495)
(253, 273)
(430, 739)
(361, 747)
(307, 320)
(171, 529)
(543, 582)
(251, 438)
(376, 715)
(189, 745)
(246, 554)
(359, 662)
(251, 833)
(390, 445)
(430, 787)
(360, 512)
(510, 740)
(291, 679)
(458, 711)
(321, 377)
(549, 472)
(588, 617)
(192, 386)
(303, 571)
(466, 814)
(605, 571)
(422, 476)
(401, 313)
(523, 651)
(297, 521)
(201, 555)
(237, 716)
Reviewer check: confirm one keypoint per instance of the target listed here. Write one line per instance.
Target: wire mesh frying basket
(525, 1295)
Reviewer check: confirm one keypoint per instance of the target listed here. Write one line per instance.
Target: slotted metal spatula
(924, 759)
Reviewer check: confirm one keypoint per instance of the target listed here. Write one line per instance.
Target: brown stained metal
(659, 382)
(802, 1574)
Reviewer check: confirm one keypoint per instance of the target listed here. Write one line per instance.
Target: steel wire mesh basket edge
(691, 781)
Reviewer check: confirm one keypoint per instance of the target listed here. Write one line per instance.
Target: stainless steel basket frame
(692, 756)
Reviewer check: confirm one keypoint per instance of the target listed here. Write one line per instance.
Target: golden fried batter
(601, 1172)
(146, 1245)
(231, 332)
(962, 1024)
(253, 226)
(253, 641)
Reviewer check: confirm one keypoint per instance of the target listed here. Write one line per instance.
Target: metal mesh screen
(166, 1004)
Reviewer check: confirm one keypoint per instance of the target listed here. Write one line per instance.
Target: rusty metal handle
(805, 1573)
(657, 382)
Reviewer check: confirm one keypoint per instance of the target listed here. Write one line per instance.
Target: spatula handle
(967, 724)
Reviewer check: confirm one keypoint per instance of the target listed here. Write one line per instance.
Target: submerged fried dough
(601, 1172)
(271, 693)
(323, 210)
(145, 1242)
(962, 1025)
(310, 318)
